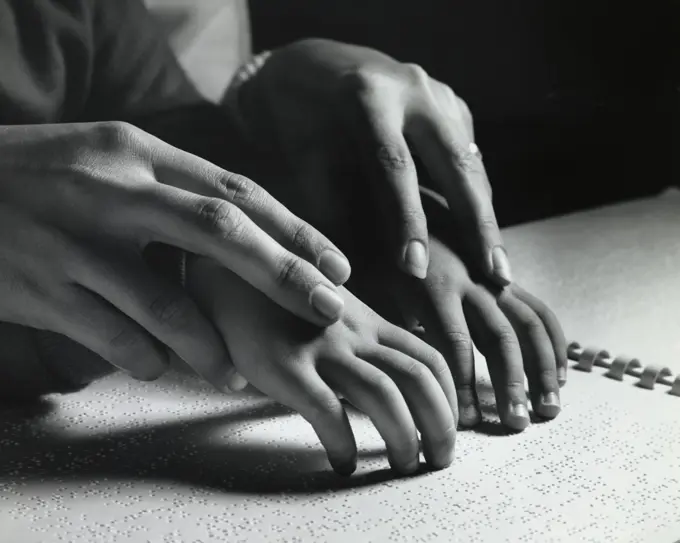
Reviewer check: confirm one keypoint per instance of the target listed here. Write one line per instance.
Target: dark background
(575, 103)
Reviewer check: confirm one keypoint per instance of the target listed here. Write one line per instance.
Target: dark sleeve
(137, 78)
(86, 60)
(105, 60)
(135, 72)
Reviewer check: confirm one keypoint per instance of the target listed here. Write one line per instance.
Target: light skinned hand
(516, 332)
(399, 381)
(80, 202)
(320, 103)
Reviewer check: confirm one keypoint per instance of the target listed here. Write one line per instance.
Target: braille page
(174, 462)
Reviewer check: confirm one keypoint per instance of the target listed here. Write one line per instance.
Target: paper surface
(174, 462)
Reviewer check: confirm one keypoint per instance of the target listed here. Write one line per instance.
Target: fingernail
(223, 388)
(469, 416)
(501, 264)
(551, 398)
(236, 381)
(520, 410)
(327, 302)
(550, 405)
(415, 259)
(335, 266)
(561, 375)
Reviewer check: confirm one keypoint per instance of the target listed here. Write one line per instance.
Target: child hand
(457, 304)
(399, 381)
(517, 333)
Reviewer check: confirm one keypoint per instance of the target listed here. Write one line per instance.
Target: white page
(173, 462)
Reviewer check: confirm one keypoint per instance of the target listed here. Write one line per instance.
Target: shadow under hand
(195, 452)
(491, 424)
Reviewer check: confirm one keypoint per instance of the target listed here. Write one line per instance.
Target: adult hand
(80, 202)
(320, 103)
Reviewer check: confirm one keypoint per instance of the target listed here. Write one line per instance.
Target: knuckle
(383, 385)
(466, 390)
(467, 161)
(446, 92)
(505, 337)
(541, 309)
(461, 341)
(238, 189)
(464, 159)
(487, 223)
(532, 325)
(455, 106)
(393, 158)
(358, 82)
(302, 236)
(417, 371)
(548, 375)
(464, 108)
(172, 310)
(412, 215)
(224, 218)
(515, 389)
(435, 361)
(119, 134)
(416, 74)
(290, 272)
(443, 281)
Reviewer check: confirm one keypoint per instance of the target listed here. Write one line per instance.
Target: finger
(425, 398)
(537, 353)
(441, 316)
(374, 393)
(192, 174)
(409, 344)
(92, 322)
(163, 309)
(446, 329)
(460, 176)
(390, 168)
(310, 396)
(496, 339)
(552, 327)
(220, 230)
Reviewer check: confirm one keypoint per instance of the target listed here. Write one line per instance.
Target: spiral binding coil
(648, 376)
